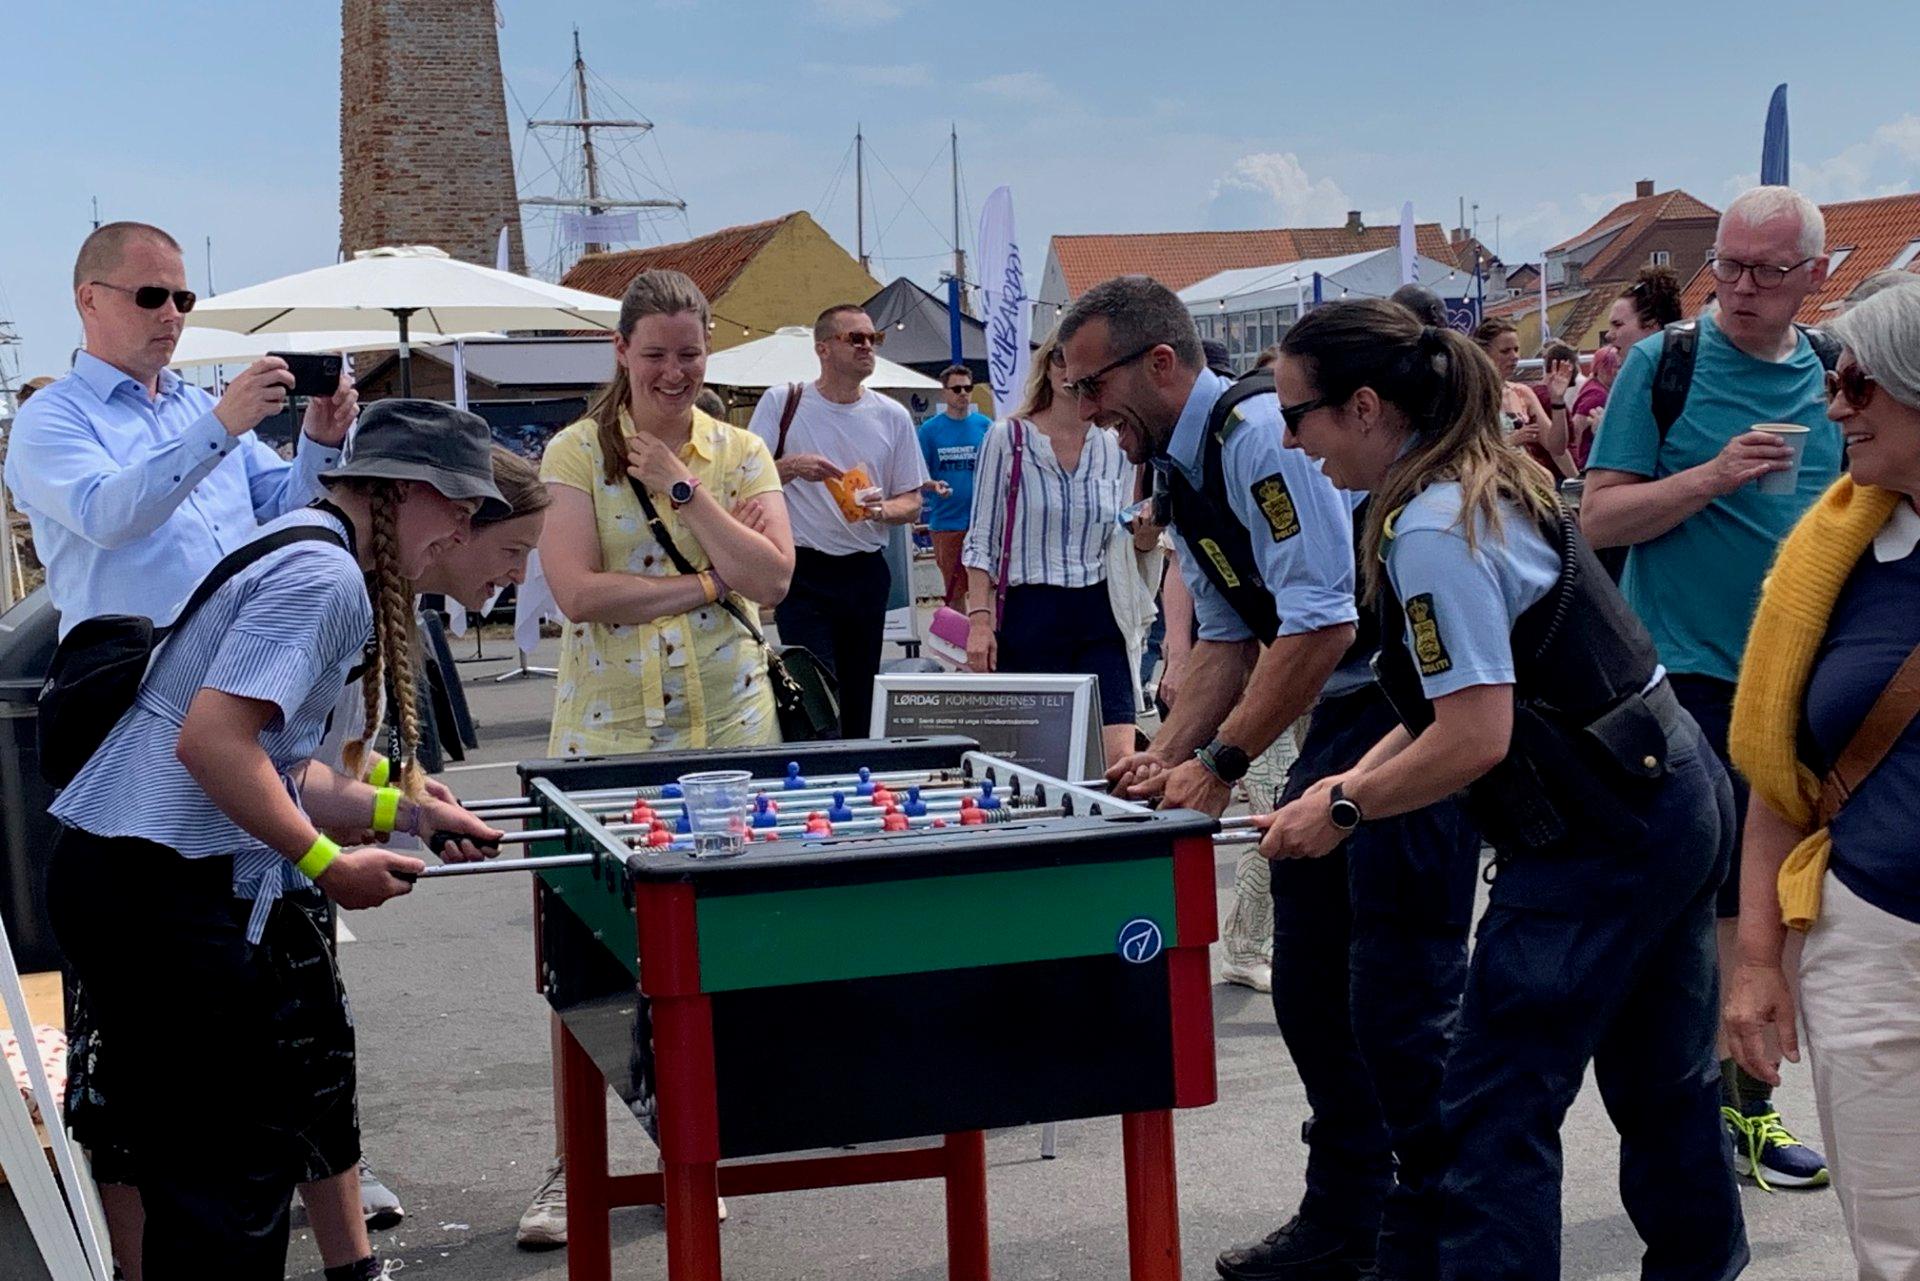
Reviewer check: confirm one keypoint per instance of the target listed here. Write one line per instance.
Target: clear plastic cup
(1795, 434)
(718, 805)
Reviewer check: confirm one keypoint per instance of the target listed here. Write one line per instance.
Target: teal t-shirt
(1696, 585)
(951, 447)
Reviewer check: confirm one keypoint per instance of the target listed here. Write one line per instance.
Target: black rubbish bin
(28, 634)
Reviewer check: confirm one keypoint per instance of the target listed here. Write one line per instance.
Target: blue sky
(220, 118)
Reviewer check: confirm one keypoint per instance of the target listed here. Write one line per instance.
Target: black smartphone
(315, 373)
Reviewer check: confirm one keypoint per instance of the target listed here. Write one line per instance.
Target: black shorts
(1069, 631)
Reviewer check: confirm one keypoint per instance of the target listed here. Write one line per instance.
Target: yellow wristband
(380, 771)
(386, 808)
(708, 586)
(318, 858)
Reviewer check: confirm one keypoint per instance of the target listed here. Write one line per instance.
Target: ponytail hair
(1450, 393)
(652, 293)
(391, 666)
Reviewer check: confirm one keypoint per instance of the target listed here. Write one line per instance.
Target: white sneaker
(1258, 975)
(378, 1202)
(544, 1225)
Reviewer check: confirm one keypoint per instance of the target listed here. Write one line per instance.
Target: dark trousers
(239, 1056)
(1369, 958)
(1609, 959)
(1709, 700)
(837, 608)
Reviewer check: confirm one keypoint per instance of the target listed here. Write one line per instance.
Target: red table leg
(693, 1221)
(1153, 1199)
(583, 1135)
(966, 1162)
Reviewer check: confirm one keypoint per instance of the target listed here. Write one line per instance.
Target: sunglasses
(1082, 388)
(153, 297)
(861, 340)
(1294, 415)
(1853, 383)
(963, 388)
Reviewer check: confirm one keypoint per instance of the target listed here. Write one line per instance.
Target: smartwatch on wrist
(680, 493)
(1226, 762)
(1341, 812)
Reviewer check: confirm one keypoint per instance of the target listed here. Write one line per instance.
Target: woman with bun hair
(1644, 308)
(1610, 819)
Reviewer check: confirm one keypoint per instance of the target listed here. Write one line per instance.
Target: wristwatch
(1224, 761)
(1341, 812)
(680, 493)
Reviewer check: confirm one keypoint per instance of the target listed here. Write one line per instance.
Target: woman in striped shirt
(203, 808)
(1037, 549)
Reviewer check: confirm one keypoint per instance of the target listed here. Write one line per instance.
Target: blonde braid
(392, 598)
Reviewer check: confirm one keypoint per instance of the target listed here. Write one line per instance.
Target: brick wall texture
(425, 155)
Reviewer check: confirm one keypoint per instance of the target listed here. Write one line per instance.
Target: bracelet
(1205, 756)
(319, 857)
(380, 771)
(413, 820)
(979, 609)
(720, 588)
(386, 808)
(706, 585)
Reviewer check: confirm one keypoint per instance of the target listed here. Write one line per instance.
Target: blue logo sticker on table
(1140, 941)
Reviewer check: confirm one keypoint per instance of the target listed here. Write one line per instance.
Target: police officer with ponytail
(1369, 951)
(1520, 675)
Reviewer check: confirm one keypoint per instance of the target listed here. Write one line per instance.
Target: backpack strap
(786, 417)
(1826, 348)
(1673, 376)
(241, 557)
(1017, 435)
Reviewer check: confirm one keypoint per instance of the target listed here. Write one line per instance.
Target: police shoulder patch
(1428, 649)
(1276, 504)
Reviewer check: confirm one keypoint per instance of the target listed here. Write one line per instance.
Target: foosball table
(920, 941)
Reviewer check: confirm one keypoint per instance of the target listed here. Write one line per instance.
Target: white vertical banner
(503, 251)
(1004, 297)
(1546, 327)
(1409, 257)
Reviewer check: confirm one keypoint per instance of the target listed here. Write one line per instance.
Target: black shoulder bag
(805, 695)
(98, 666)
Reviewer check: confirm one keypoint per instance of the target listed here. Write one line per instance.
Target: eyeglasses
(1295, 414)
(1081, 388)
(1765, 274)
(1852, 382)
(965, 389)
(153, 297)
(875, 339)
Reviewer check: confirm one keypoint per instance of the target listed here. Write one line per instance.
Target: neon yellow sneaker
(1764, 1151)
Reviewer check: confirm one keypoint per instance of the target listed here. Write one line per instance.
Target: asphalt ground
(457, 1116)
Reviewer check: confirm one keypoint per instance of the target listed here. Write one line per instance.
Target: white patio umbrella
(220, 347)
(787, 356)
(419, 287)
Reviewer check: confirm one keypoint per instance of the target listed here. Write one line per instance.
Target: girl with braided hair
(203, 812)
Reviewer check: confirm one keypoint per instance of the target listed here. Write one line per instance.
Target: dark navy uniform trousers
(1369, 959)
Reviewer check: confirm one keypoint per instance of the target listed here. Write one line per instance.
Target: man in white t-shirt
(850, 463)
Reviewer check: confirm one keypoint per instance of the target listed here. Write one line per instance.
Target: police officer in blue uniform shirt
(1266, 547)
(1521, 676)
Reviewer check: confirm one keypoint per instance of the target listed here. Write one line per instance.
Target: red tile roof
(1875, 230)
(1635, 218)
(1180, 258)
(714, 261)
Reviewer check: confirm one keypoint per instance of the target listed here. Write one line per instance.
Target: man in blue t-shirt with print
(1702, 533)
(950, 441)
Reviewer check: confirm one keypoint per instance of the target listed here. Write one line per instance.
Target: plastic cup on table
(1795, 434)
(719, 807)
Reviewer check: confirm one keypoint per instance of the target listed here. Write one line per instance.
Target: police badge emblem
(1428, 650)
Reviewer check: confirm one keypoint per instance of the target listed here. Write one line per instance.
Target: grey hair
(1140, 312)
(1756, 205)
(1883, 333)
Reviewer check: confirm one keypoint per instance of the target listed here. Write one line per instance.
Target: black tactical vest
(1223, 547)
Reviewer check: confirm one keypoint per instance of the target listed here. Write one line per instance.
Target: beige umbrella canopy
(416, 288)
(787, 356)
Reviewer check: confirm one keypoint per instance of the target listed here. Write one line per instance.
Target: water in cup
(718, 804)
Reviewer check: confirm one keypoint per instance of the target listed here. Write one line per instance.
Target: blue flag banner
(1773, 147)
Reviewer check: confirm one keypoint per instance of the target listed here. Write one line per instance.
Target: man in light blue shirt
(137, 482)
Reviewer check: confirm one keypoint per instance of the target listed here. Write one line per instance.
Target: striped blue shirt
(286, 629)
(1062, 519)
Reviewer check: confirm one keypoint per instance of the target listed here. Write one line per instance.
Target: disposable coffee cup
(718, 803)
(1795, 434)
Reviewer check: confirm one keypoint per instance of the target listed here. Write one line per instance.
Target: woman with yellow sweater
(1824, 728)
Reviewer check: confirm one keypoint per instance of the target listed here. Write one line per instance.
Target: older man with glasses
(1679, 475)
(850, 464)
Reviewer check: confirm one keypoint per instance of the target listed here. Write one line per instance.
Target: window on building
(1661, 258)
(1266, 329)
(1838, 256)
(1904, 259)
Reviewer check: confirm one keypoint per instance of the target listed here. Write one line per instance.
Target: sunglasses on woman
(1851, 382)
(153, 297)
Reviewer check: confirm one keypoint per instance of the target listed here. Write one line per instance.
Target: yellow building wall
(800, 273)
(1528, 324)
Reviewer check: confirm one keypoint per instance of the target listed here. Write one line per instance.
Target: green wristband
(318, 858)
(381, 770)
(386, 808)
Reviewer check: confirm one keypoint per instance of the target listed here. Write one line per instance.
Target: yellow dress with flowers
(687, 680)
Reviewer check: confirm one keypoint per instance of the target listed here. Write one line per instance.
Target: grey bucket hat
(424, 440)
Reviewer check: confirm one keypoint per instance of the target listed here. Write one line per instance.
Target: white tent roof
(787, 356)
(443, 295)
(1375, 273)
(219, 347)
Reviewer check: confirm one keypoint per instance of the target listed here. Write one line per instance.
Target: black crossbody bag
(98, 666)
(805, 695)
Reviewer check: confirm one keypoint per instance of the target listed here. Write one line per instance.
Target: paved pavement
(457, 1113)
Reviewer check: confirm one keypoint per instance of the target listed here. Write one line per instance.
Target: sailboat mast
(959, 254)
(860, 198)
(586, 140)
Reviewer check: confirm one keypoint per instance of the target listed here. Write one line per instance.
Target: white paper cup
(1795, 434)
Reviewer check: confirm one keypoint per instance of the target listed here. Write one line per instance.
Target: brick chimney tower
(425, 156)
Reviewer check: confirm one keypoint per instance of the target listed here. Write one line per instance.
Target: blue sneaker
(1765, 1152)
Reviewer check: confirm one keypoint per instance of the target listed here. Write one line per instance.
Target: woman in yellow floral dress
(649, 659)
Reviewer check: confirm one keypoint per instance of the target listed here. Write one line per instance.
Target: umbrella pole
(406, 357)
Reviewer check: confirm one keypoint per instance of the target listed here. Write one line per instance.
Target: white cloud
(1884, 164)
(1019, 86)
(1273, 189)
(912, 75)
(855, 13)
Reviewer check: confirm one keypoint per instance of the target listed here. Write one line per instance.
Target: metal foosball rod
(949, 796)
(827, 783)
